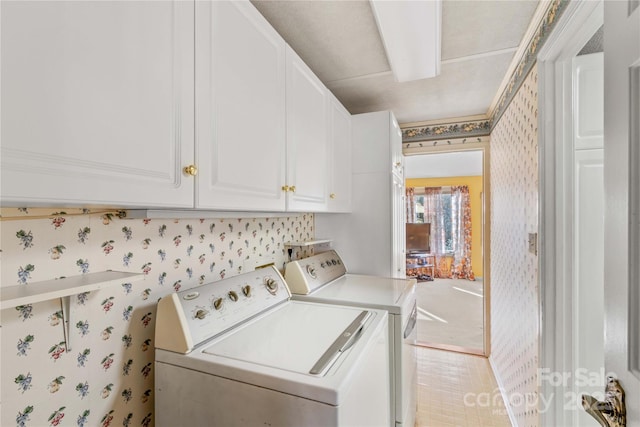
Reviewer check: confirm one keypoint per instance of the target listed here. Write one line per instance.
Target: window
(446, 212)
(448, 224)
(419, 209)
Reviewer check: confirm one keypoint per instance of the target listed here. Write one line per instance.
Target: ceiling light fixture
(410, 31)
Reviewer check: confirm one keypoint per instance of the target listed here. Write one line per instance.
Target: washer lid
(294, 337)
(366, 291)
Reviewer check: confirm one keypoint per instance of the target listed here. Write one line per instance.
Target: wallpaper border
(465, 129)
(476, 128)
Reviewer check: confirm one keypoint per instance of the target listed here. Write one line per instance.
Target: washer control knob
(191, 295)
(246, 290)
(311, 271)
(201, 313)
(233, 296)
(272, 285)
(217, 303)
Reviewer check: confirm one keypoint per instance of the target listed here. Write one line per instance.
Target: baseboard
(503, 392)
(453, 348)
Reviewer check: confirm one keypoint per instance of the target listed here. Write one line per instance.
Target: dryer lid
(393, 295)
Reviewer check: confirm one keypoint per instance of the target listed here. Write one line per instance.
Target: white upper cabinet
(97, 103)
(387, 155)
(240, 109)
(108, 103)
(307, 138)
(340, 155)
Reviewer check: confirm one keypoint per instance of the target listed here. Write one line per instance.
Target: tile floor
(457, 390)
(450, 312)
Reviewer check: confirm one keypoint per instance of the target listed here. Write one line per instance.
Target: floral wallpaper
(514, 270)
(106, 376)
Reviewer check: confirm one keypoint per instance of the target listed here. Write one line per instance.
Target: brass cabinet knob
(292, 188)
(285, 188)
(332, 195)
(190, 170)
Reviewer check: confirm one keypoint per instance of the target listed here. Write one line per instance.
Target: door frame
(576, 26)
(486, 227)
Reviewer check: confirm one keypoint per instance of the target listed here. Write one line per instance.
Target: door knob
(191, 170)
(611, 412)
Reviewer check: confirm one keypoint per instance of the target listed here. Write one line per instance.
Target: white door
(97, 103)
(240, 108)
(588, 226)
(307, 138)
(622, 198)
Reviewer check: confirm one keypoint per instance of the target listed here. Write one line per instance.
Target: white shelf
(32, 293)
(309, 242)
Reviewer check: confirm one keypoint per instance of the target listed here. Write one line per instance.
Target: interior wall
(514, 270)
(475, 194)
(107, 377)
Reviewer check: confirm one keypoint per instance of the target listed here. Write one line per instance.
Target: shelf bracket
(65, 302)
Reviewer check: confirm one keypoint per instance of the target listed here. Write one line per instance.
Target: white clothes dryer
(323, 278)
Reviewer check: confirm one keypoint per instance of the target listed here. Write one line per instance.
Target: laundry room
(215, 212)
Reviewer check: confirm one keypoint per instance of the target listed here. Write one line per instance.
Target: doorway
(446, 197)
(572, 228)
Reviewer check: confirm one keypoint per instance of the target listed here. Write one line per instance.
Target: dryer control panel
(190, 317)
(306, 275)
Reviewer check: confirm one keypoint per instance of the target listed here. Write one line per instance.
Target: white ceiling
(464, 163)
(339, 40)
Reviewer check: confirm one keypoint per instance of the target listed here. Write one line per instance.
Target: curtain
(433, 214)
(461, 233)
(411, 205)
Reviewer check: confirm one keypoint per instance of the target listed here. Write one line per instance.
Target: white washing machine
(323, 278)
(240, 352)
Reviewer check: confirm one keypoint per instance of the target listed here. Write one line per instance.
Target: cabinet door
(97, 103)
(398, 226)
(307, 140)
(398, 199)
(240, 108)
(340, 154)
(395, 141)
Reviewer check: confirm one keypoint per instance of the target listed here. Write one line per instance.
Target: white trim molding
(503, 393)
(578, 23)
